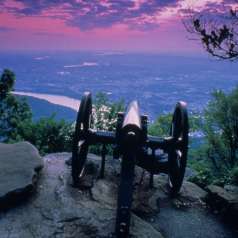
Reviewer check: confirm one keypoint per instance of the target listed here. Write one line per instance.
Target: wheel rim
(80, 143)
(177, 156)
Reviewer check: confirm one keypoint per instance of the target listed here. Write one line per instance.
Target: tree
(161, 126)
(221, 129)
(7, 82)
(47, 134)
(217, 32)
(14, 112)
(216, 161)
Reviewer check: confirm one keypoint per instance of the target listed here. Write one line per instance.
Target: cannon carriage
(135, 147)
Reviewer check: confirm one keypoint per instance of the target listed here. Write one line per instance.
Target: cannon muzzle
(131, 132)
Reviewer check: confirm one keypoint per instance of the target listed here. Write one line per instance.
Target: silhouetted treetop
(217, 30)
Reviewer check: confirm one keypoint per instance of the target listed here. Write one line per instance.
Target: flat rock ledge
(224, 201)
(59, 210)
(20, 165)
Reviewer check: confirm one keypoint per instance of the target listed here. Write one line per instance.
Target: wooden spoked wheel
(80, 143)
(177, 155)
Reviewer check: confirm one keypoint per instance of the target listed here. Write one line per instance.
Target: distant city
(156, 81)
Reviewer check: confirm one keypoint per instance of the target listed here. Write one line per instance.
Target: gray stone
(219, 193)
(20, 164)
(62, 211)
(224, 202)
(231, 189)
(146, 200)
(192, 192)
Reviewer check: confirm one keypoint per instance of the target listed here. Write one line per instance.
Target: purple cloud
(90, 14)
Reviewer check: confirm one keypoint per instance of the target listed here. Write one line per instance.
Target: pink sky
(128, 25)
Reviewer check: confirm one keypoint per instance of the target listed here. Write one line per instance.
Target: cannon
(135, 147)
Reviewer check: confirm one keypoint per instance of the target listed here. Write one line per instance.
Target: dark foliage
(218, 33)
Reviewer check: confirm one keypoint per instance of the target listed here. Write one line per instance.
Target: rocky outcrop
(19, 168)
(231, 189)
(62, 211)
(224, 201)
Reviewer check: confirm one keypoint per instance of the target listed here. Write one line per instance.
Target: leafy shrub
(203, 175)
(220, 127)
(15, 114)
(104, 112)
(49, 135)
(221, 131)
(104, 117)
(161, 126)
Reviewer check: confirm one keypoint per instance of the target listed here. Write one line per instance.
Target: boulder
(192, 192)
(20, 165)
(224, 201)
(231, 189)
(220, 195)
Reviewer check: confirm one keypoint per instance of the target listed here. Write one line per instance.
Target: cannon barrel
(131, 131)
(132, 116)
(130, 140)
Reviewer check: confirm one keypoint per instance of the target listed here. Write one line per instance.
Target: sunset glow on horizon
(135, 25)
